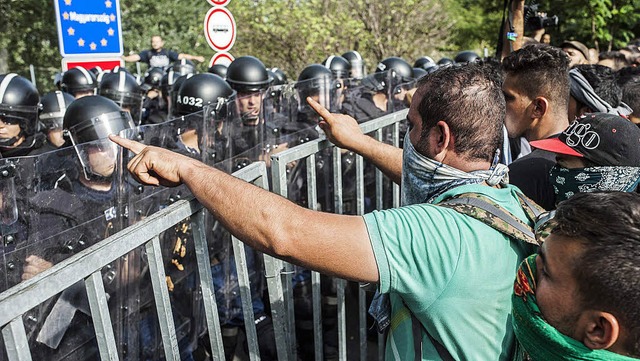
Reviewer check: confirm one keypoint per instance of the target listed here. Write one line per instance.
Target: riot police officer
(72, 217)
(122, 88)
(358, 66)
(219, 70)
(249, 77)
(79, 82)
(152, 107)
(19, 107)
(54, 106)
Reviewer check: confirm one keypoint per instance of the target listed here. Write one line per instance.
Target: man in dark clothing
(159, 57)
(536, 88)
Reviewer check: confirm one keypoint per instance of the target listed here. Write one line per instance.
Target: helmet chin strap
(96, 178)
(8, 142)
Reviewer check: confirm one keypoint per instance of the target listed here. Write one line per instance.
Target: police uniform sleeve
(416, 249)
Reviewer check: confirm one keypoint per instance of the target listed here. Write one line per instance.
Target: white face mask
(424, 179)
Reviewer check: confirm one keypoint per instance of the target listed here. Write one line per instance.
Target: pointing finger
(132, 145)
(322, 111)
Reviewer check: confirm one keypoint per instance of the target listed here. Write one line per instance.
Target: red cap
(555, 145)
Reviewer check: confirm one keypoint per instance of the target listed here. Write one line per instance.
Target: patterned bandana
(567, 182)
(538, 340)
(424, 179)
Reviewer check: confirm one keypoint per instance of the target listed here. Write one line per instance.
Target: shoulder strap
(495, 216)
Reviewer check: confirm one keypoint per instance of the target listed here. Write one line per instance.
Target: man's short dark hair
(603, 82)
(631, 96)
(542, 70)
(469, 99)
(608, 226)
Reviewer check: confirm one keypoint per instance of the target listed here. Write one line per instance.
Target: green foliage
(291, 34)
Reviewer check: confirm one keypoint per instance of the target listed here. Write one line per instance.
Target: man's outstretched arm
(198, 58)
(333, 244)
(343, 131)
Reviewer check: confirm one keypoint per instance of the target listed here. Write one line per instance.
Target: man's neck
(548, 126)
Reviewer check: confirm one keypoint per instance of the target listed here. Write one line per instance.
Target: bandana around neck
(424, 179)
(538, 340)
(567, 182)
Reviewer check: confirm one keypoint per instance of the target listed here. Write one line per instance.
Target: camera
(533, 20)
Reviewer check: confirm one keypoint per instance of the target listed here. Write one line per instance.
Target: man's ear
(441, 140)
(601, 331)
(540, 107)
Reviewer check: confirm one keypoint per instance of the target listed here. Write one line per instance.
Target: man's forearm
(386, 157)
(274, 225)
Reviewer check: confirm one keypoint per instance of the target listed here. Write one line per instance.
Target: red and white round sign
(220, 28)
(223, 58)
(218, 2)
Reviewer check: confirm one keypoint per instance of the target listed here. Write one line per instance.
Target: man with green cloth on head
(579, 298)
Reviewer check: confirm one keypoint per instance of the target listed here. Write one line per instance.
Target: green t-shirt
(453, 272)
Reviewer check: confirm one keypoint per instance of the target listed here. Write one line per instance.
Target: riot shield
(64, 218)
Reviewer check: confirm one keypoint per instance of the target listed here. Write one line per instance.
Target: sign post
(89, 31)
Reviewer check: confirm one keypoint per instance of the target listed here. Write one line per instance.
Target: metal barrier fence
(86, 267)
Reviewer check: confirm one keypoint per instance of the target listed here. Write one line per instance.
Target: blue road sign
(89, 27)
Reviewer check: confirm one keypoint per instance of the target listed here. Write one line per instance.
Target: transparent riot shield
(247, 130)
(65, 217)
(368, 98)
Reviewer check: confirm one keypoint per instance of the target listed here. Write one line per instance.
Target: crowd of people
(523, 168)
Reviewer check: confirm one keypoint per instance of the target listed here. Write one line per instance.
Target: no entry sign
(220, 29)
(218, 2)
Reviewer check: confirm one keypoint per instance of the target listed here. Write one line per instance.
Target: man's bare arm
(131, 58)
(344, 131)
(332, 244)
(197, 58)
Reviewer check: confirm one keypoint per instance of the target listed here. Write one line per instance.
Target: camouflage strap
(495, 216)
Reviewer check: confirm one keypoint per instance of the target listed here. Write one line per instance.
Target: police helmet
(173, 92)
(152, 79)
(357, 64)
(466, 57)
(19, 104)
(219, 70)
(279, 77)
(54, 106)
(419, 73)
(167, 82)
(78, 80)
(445, 61)
(96, 70)
(122, 88)
(200, 90)
(247, 74)
(184, 67)
(91, 119)
(400, 69)
(314, 80)
(94, 117)
(339, 66)
(424, 62)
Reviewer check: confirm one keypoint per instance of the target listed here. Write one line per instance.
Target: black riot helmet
(201, 90)
(184, 67)
(419, 73)
(54, 106)
(279, 77)
(400, 69)
(219, 70)
(173, 92)
(19, 104)
(87, 124)
(152, 79)
(466, 57)
(424, 62)
(78, 80)
(247, 74)
(339, 66)
(122, 88)
(445, 61)
(314, 81)
(96, 70)
(94, 117)
(357, 64)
